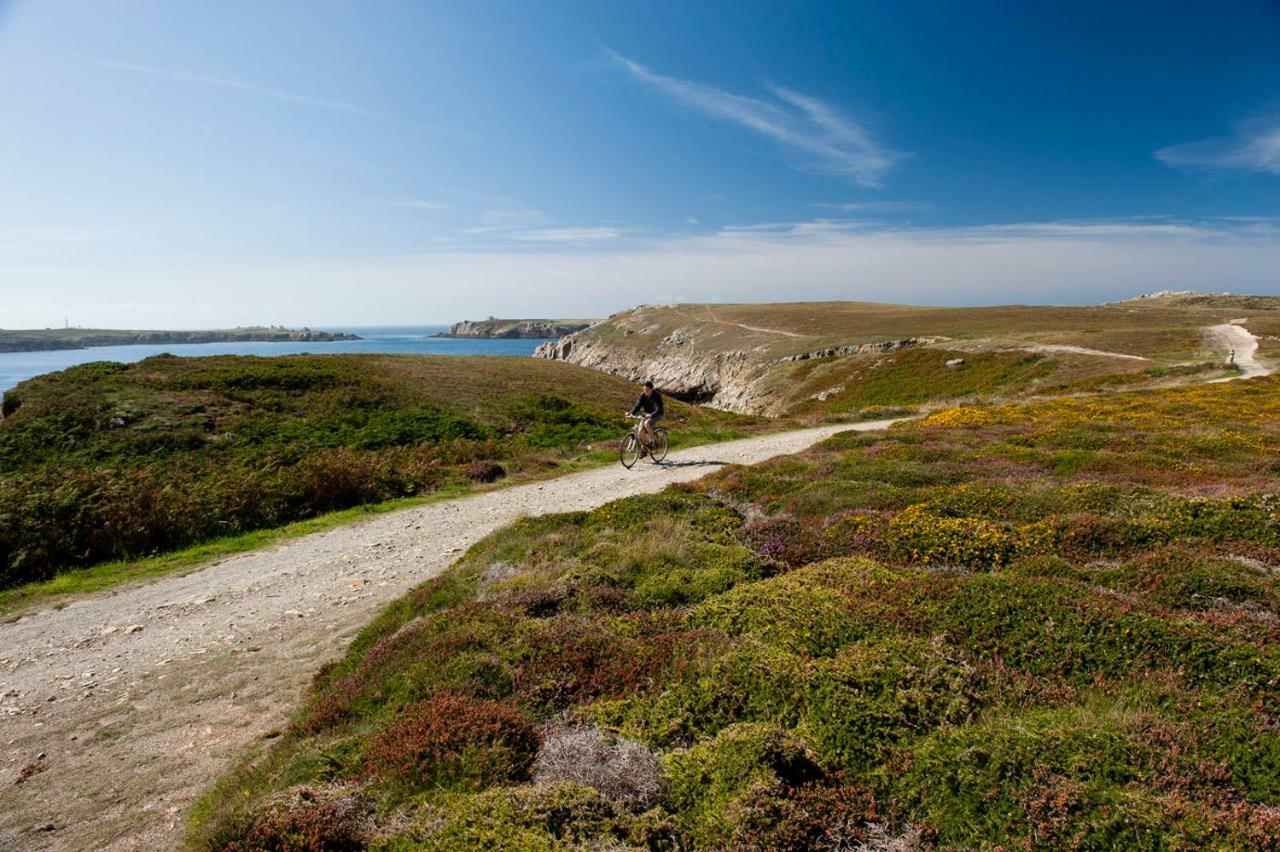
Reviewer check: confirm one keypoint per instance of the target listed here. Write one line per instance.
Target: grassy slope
(1052, 625)
(108, 462)
(993, 342)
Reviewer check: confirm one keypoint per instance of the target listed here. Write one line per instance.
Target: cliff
(516, 328)
(36, 340)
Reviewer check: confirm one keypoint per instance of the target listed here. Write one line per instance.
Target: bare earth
(138, 699)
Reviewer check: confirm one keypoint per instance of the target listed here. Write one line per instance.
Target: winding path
(136, 700)
(1242, 346)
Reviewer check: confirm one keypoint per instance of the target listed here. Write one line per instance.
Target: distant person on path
(650, 402)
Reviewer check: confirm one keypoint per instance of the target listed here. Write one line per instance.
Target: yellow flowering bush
(924, 537)
(965, 415)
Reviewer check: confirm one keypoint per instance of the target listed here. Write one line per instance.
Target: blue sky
(197, 164)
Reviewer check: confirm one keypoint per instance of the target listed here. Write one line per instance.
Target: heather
(109, 461)
(1041, 626)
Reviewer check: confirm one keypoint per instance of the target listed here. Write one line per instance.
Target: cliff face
(733, 380)
(528, 328)
(724, 380)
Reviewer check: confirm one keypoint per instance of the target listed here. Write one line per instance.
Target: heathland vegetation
(110, 461)
(1047, 625)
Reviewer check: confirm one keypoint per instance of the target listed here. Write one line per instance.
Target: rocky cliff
(509, 328)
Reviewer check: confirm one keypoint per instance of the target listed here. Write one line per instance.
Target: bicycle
(629, 446)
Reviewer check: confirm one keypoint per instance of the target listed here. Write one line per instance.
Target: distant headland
(38, 340)
(516, 328)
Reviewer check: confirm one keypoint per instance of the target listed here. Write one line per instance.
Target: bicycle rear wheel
(659, 451)
(629, 450)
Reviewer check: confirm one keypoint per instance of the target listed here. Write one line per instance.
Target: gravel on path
(119, 709)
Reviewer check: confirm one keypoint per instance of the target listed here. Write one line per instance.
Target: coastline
(52, 340)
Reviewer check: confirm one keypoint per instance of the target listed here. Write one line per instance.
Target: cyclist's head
(648, 387)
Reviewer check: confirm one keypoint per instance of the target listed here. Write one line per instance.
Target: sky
(174, 164)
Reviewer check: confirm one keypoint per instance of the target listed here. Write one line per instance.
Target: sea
(17, 367)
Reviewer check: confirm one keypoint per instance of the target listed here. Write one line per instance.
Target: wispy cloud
(1254, 147)
(830, 141)
(884, 207)
(566, 235)
(420, 204)
(244, 87)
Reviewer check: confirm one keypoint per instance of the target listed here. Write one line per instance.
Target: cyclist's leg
(651, 425)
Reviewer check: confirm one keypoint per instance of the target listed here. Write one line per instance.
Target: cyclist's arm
(639, 402)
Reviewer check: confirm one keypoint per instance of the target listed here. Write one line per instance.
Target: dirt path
(1241, 345)
(1081, 350)
(712, 318)
(140, 698)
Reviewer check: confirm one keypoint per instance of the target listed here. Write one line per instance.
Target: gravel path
(117, 710)
(1241, 345)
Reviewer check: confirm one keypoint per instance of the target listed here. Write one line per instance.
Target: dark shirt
(651, 404)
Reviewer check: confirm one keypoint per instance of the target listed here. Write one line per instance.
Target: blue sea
(403, 340)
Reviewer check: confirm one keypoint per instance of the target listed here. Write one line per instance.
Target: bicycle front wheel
(659, 445)
(629, 450)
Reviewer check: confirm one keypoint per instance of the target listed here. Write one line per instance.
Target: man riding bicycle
(650, 402)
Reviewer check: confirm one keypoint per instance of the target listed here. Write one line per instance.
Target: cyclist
(650, 402)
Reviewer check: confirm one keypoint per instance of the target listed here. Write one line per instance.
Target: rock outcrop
(525, 328)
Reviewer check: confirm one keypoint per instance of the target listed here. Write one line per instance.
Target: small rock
(133, 628)
(955, 362)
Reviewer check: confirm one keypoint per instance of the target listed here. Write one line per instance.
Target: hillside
(516, 328)
(115, 461)
(1053, 625)
(841, 357)
(34, 340)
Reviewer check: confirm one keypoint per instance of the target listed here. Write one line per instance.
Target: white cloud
(244, 87)
(1254, 147)
(831, 142)
(566, 235)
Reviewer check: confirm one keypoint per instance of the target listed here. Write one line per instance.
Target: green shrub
(747, 682)
(793, 612)
(546, 816)
(877, 694)
(706, 779)
(1100, 776)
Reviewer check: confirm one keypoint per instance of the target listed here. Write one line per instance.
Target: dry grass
(622, 770)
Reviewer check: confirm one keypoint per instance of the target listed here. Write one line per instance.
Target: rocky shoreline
(527, 329)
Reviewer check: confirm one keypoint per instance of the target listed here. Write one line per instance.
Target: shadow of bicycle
(707, 463)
